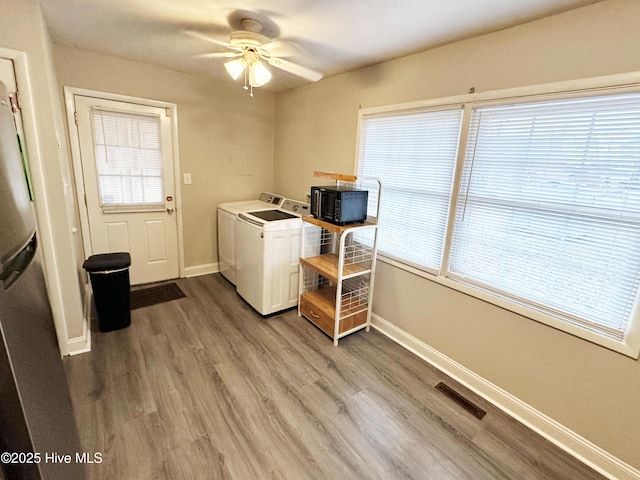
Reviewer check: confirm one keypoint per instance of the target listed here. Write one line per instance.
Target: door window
(128, 158)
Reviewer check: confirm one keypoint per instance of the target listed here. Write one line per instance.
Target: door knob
(169, 210)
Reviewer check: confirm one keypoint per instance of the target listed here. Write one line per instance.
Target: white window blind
(128, 158)
(414, 154)
(548, 211)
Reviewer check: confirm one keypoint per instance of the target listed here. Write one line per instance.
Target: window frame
(446, 197)
(117, 207)
(622, 83)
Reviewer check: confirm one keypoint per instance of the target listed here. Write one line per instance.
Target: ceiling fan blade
(220, 55)
(279, 48)
(294, 68)
(206, 38)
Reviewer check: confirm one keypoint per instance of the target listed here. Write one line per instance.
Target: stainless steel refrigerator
(36, 416)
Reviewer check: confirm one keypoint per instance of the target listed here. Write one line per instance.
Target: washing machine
(268, 244)
(227, 217)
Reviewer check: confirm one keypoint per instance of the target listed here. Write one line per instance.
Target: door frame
(60, 267)
(74, 143)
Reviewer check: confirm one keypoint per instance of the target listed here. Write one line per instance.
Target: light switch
(187, 179)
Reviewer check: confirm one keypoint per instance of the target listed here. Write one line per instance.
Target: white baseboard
(204, 269)
(82, 344)
(566, 439)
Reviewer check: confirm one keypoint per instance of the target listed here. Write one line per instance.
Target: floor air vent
(460, 400)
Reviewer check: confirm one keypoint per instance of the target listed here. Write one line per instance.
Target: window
(128, 158)
(415, 154)
(545, 215)
(549, 207)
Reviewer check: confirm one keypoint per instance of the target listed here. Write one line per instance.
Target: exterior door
(127, 168)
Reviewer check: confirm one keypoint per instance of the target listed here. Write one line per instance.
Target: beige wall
(23, 30)
(225, 136)
(589, 389)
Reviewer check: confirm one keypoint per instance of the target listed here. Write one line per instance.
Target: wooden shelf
(324, 299)
(327, 266)
(332, 227)
(336, 176)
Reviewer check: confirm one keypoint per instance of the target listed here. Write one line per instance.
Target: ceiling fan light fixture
(258, 74)
(235, 67)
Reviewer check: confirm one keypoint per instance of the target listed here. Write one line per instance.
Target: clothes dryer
(227, 217)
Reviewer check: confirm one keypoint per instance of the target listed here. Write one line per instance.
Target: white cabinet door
(226, 245)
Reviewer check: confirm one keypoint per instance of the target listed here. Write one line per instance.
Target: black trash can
(109, 274)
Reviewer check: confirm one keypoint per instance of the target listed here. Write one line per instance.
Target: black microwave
(339, 205)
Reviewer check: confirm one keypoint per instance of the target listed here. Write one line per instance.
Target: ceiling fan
(250, 49)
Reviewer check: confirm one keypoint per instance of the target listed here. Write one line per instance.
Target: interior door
(127, 168)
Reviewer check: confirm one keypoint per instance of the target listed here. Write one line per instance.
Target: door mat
(146, 297)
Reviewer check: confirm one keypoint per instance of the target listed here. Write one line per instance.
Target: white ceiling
(330, 36)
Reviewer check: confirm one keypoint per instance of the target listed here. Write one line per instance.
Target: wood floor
(204, 388)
